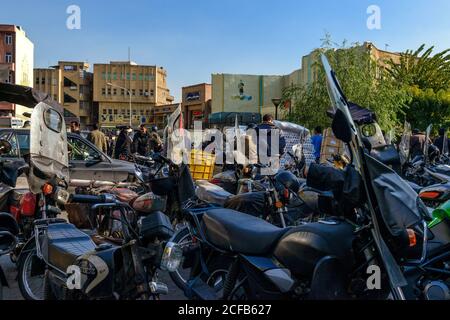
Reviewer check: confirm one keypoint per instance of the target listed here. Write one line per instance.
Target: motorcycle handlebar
(81, 198)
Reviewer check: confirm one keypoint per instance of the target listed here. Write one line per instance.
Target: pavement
(13, 292)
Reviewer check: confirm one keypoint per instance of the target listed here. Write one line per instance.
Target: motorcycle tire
(29, 292)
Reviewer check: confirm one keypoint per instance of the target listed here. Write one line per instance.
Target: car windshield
(78, 150)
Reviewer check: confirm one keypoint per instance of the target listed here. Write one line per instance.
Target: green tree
(419, 68)
(363, 82)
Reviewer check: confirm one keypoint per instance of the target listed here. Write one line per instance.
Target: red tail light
(429, 195)
(28, 204)
(215, 181)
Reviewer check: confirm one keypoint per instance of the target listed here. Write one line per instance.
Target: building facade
(71, 85)
(254, 93)
(196, 103)
(16, 64)
(119, 84)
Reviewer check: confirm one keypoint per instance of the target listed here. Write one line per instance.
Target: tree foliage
(362, 81)
(420, 68)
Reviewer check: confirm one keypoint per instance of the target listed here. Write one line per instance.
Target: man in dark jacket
(439, 142)
(122, 149)
(141, 141)
(267, 126)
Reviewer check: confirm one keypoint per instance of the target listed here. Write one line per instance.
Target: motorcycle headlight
(61, 196)
(172, 257)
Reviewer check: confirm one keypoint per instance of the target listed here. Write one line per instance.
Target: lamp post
(276, 102)
(129, 93)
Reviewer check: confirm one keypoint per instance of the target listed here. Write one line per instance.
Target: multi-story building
(254, 93)
(16, 64)
(70, 84)
(118, 85)
(196, 103)
(162, 112)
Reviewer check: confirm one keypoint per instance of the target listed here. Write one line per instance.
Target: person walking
(98, 138)
(141, 141)
(316, 140)
(122, 149)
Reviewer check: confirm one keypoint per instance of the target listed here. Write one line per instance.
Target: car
(86, 161)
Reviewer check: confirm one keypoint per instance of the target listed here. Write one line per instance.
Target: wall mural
(242, 96)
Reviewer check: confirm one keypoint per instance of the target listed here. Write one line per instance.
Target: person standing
(439, 141)
(156, 144)
(122, 149)
(141, 141)
(268, 125)
(316, 140)
(98, 138)
(75, 127)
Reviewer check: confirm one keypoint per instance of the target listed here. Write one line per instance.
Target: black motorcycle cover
(399, 205)
(252, 203)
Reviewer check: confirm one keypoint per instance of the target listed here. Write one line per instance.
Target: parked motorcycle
(8, 239)
(382, 227)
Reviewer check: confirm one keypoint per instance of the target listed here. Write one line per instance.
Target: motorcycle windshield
(48, 147)
(405, 143)
(426, 145)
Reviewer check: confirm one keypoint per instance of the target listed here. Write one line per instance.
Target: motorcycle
(382, 226)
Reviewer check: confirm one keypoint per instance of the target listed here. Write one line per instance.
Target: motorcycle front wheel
(31, 275)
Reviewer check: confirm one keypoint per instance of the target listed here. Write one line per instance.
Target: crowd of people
(123, 143)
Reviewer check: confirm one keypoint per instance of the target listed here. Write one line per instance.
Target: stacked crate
(330, 146)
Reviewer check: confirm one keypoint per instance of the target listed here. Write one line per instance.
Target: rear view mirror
(341, 127)
(5, 147)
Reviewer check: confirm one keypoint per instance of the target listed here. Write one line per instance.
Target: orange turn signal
(278, 204)
(430, 195)
(47, 189)
(412, 237)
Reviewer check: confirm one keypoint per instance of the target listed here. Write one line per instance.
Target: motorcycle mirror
(5, 147)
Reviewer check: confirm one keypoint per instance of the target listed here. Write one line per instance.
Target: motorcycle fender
(328, 282)
(3, 281)
(38, 268)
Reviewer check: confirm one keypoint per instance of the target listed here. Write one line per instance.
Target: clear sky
(195, 38)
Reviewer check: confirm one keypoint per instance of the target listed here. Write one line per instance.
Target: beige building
(254, 93)
(161, 114)
(70, 84)
(196, 103)
(115, 83)
(16, 64)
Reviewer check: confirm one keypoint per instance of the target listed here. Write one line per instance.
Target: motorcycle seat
(65, 243)
(211, 193)
(234, 231)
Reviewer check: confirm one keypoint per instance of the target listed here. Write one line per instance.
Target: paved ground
(13, 293)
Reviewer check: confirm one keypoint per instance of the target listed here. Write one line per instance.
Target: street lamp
(129, 93)
(276, 102)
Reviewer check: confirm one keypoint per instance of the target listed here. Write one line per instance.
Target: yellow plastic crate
(202, 165)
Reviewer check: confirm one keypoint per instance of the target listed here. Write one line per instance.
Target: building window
(38, 80)
(109, 111)
(115, 111)
(141, 92)
(123, 111)
(134, 76)
(152, 92)
(128, 76)
(133, 92)
(104, 75)
(55, 97)
(122, 92)
(122, 76)
(8, 39)
(114, 91)
(115, 76)
(103, 91)
(141, 76)
(104, 111)
(43, 80)
(8, 57)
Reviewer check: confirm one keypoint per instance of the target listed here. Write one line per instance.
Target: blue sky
(193, 39)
